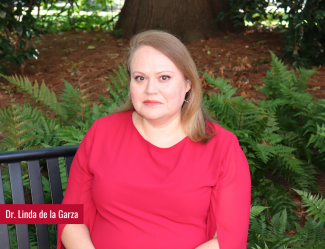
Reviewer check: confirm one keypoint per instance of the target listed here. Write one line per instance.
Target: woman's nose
(152, 86)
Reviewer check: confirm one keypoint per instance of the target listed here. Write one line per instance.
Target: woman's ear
(188, 85)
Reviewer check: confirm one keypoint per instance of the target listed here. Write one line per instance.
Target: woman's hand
(211, 244)
(76, 236)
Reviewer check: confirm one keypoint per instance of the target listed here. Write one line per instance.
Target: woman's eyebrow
(137, 72)
(156, 73)
(164, 72)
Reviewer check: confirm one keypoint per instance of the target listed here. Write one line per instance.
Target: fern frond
(244, 114)
(256, 210)
(71, 135)
(226, 89)
(319, 138)
(18, 127)
(303, 78)
(43, 94)
(279, 223)
(297, 97)
(315, 204)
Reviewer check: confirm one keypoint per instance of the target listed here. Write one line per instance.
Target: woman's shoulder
(110, 124)
(222, 133)
(114, 119)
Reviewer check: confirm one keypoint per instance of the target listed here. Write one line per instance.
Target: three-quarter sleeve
(230, 199)
(79, 187)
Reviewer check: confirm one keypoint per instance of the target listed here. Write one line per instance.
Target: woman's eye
(139, 78)
(165, 77)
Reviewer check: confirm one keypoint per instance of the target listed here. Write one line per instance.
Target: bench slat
(42, 234)
(4, 234)
(18, 197)
(16, 183)
(38, 198)
(68, 162)
(55, 180)
(35, 182)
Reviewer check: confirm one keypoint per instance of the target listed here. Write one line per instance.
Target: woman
(159, 173)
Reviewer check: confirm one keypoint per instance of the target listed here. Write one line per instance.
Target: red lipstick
(151, 102)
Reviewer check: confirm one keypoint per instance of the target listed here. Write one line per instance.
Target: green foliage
(17, 127)
(118, 33)
(12, 236)
(270, 132)
(272, 234)
(273, 196)
(300, 118)
(304, 33)
(78, 15)
(22, 19)
(315, 204)
(42, 94)
(26, 127)
(300, 23)
(16, 28)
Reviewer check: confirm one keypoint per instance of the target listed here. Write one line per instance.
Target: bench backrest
(32, 157)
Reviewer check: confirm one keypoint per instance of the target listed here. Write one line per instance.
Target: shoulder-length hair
(196, 124)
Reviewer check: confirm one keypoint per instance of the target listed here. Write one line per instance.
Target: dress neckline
(149, 143)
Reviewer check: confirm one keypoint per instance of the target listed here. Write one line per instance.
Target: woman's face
(157, 86)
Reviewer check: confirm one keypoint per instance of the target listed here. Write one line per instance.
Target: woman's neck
(161, 134)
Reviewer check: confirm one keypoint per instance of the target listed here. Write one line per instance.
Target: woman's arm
(231, 199)
(76, 236)
(79, 191)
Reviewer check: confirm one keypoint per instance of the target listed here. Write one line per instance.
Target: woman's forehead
(149, 57)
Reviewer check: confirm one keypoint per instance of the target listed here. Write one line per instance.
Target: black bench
(32, 157)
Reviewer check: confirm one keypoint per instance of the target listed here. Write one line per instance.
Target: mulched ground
(241, 58)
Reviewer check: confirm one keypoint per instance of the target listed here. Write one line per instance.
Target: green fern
(315, 204)
(319, 138)
(256, 210)
(279, 77)
(268, 147)
(244, 114)
(311, 236)
(75, 102)
(119, 94)
(63, 174)
(43, 94)
(71, 135)
(17, 126)
(225, 88)
(268, 193)
(264, 234)
(295, 110)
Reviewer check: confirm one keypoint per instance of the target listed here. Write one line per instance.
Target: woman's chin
(153, 116)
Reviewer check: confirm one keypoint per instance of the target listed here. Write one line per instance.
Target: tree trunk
(189, 20)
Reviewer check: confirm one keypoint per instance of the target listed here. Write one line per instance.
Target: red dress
(139, 196)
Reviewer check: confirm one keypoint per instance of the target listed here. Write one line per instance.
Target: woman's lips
(152, 103)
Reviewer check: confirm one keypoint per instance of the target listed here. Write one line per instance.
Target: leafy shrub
(16, 28)
(26, 127)
(272, 234)
(277, 134)
(300, 23)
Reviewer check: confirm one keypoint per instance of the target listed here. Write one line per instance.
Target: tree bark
(189, 20)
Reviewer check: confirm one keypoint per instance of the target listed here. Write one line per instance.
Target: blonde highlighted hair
(196, 124)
